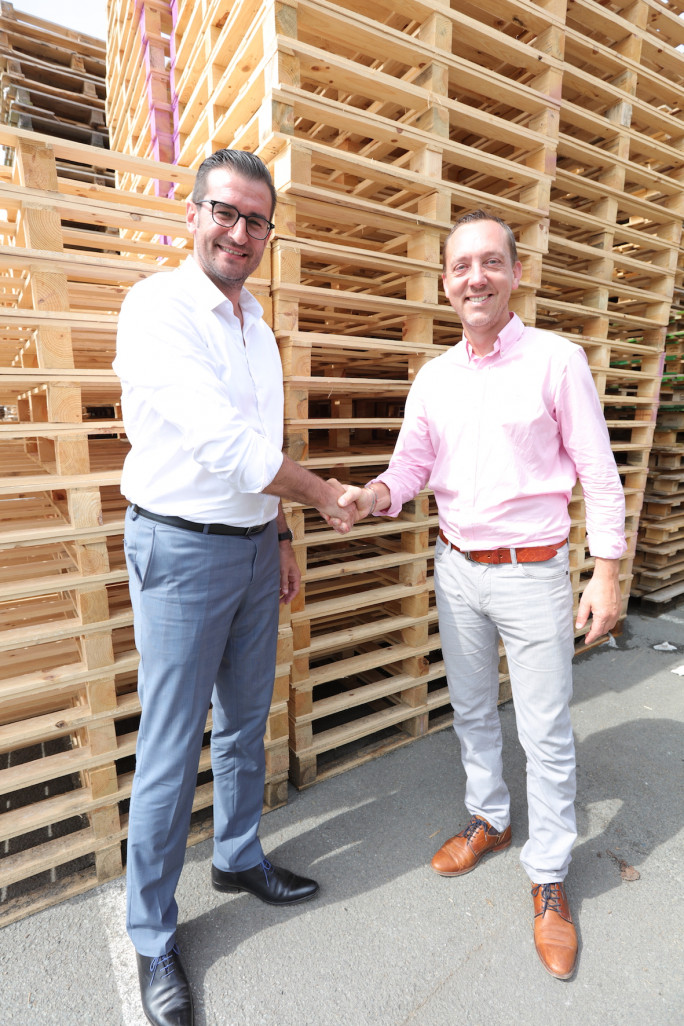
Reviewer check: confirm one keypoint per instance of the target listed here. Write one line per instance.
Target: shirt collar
(506, 338)
(209, 295)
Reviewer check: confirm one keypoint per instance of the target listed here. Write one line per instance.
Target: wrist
(285, 536)
(607, 568)
(374, 499)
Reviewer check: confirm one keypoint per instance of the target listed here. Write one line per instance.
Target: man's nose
(238, 232)
(477, 273)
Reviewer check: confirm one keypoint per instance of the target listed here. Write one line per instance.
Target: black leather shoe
(272, 884)
(164, 989)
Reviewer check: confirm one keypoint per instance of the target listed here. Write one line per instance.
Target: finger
(582, 616)
(348, 515)
(592, 635)
(601, 624)
(347, 497)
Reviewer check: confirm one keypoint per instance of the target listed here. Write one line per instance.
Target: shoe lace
(551, 896)
(474, 826)
(166, 964)
(267, 868)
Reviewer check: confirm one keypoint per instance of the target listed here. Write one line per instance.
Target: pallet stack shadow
(52, 80)
(659, 562)
(69, 670)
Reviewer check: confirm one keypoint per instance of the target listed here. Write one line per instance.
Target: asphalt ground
(387, 942)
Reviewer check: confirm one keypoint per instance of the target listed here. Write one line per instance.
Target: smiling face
(478, 280)
(229, 255)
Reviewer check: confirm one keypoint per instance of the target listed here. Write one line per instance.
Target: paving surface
(389, 943)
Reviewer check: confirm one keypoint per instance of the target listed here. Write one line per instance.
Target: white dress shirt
(202, 401)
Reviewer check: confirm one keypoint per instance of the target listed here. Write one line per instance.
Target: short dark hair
(242, 163)
(482, 215)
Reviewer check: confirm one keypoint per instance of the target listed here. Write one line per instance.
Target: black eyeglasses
(225, 215)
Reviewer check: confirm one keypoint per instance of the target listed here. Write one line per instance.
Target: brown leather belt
(496, 556)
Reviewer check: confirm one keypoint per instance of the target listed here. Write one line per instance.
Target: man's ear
(191, 215)
(517, 273)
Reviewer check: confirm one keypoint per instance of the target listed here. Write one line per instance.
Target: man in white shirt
(209, 556)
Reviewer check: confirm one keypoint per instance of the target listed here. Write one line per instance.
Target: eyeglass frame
(245, 217)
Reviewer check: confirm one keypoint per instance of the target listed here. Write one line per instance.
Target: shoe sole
(232, 889)
(192, 1019)
(462, 872)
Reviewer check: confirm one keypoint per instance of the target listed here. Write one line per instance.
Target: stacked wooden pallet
(616, 214)
(381, 125)
(374, 157)
(139, 108)
(69, 669)
(659, 561)
(52, 80)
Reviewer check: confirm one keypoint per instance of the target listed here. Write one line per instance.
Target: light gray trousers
(529, 605)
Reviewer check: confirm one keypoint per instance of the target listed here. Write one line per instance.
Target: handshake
(350, 504)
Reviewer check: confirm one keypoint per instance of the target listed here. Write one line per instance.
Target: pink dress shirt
(502, 439)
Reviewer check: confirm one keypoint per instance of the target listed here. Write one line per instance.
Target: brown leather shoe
(462, 853)
(555, 937)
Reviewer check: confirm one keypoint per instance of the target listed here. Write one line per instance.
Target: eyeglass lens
(225, 215)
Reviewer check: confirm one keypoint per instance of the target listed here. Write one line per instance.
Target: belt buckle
(254, 529)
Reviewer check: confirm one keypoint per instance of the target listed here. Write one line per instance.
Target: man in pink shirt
(500, 427)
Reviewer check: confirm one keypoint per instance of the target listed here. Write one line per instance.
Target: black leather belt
(190, 525)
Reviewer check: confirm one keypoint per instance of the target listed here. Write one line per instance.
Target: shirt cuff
(394, 509)
(270, 465)
(606, 546)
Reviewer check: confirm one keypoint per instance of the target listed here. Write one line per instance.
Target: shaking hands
(352, 505)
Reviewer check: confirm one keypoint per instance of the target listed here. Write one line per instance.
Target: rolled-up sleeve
(414, 454)
(586, 440)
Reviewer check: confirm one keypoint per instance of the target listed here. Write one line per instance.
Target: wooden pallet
(69, 668)
(140, 102)
(381, 125)
(659, 558)
(371, 172)
(52, 81)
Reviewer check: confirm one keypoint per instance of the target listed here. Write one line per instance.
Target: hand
(342, 520)
(290, 574)
(601, 600)
(360, 499)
